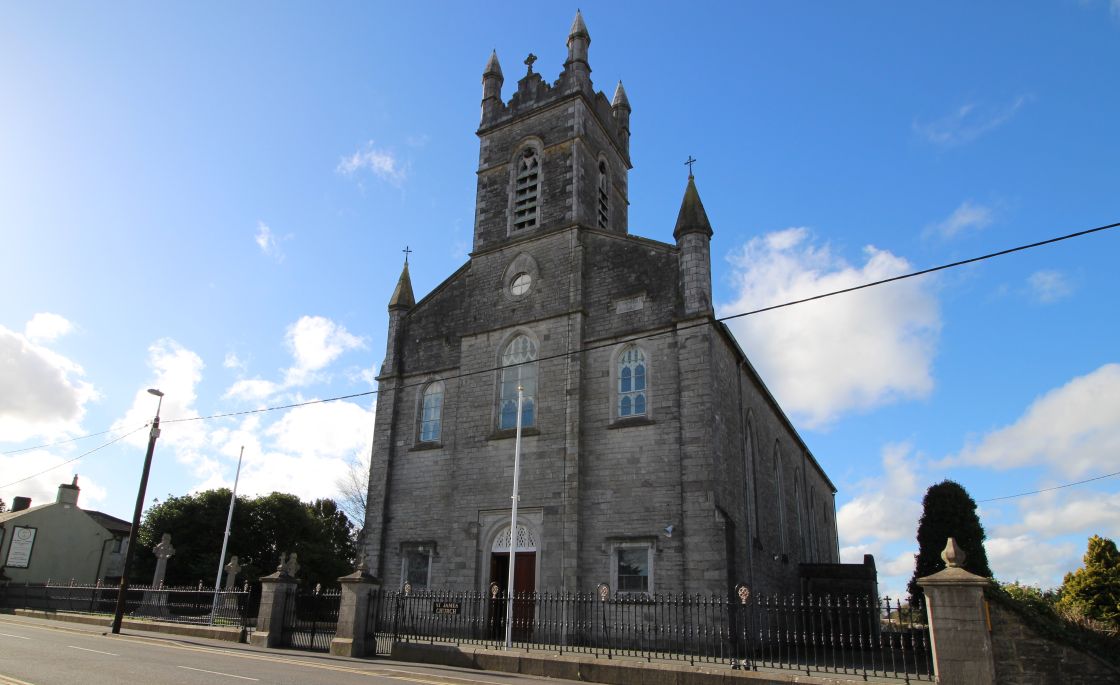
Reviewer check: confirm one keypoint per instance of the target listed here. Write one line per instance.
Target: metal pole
(225, 538)
(118, 614)
(513, 522)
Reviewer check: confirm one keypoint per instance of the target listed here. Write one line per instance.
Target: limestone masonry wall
(1024, 657)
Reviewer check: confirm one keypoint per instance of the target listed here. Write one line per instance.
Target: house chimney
(68, 493)
(21, 503)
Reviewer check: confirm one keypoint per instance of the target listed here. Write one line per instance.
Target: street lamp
(122, 593)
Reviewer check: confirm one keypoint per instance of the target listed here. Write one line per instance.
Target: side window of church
(431, 412)
(416, 565)
(519, 368)
(632, 566)
(632, 383)
(526, 192)
(604, 195)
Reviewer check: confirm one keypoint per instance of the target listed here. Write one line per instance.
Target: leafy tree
(263, 528)
(948, 512)
(1093, 590)
(2, 507)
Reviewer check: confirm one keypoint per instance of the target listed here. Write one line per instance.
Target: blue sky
(212, 199)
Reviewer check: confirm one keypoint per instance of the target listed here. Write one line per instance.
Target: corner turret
(399, 305)
(577, 69)
(693, 234)
(620, 110)
(492, 80)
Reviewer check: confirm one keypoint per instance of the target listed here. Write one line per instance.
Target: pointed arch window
(519, 368)
(431, 412)
(526, 193)
(783, 543)
(633, 388)
(604, 195)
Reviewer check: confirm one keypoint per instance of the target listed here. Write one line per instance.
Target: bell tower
(555, 155)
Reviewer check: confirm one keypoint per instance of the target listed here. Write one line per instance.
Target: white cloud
(968, 122)
(1074, 429)
(46, 327)
(303, 452)
(381, 163)
(1049, 286)
(177, 372)
(1051, 515)
(43, 488)
(1029, 560)
(315, 342)
(851, 352)
(887, 510)
(267, 242)
(965, 217)
(252, 389)
(44, 393)
(232, 361)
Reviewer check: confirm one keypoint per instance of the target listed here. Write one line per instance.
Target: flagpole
(225, 538)
(513, 523)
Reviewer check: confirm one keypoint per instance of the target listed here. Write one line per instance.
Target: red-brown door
(524, 583)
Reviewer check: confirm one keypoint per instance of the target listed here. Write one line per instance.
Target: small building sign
(19, 551)
(446, 608)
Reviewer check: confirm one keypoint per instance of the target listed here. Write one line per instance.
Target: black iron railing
(854, 636)
(231, 608)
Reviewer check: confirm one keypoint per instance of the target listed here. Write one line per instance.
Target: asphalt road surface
(40, 652)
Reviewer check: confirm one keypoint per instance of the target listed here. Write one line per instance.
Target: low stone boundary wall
(185, 629)
(586, 669)
(1023, 656)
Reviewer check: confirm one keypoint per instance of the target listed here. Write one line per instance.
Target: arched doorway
(524, 546)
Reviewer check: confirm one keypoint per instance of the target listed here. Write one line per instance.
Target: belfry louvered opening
(526, 198)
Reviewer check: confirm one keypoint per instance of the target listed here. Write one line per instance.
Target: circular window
(520, 284)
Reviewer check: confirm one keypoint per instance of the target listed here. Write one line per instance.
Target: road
(39, 652)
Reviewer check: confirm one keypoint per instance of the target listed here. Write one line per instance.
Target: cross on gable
(529, 61)
(690, 161)
(406, 252)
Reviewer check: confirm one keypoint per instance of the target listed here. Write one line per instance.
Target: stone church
(654, 459)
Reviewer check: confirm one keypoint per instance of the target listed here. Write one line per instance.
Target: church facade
(653, 458)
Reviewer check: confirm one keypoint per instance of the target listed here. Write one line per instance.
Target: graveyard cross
(232, 569)
(163, 551)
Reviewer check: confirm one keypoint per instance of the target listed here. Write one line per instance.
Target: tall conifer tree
(948, 512)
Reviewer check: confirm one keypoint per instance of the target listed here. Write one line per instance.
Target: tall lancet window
(519, 368)
(431, 412)
(631, 383)
(527, 187)
(604, 195)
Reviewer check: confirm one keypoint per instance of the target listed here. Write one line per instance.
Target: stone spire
(402, 296)
(620, 110)
(694, 236)
(492, 80)
(579, 40)
(692, 218)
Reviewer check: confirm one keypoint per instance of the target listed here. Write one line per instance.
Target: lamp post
(122, 593)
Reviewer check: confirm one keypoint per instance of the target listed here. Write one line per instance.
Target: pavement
(41, 651)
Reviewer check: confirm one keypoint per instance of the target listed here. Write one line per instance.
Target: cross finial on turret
(529, 61)
(406, 252)
(689, 162)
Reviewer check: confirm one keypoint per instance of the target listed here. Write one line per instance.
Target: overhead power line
(69, 461)
(833, 293)
(612, 343)
(1056, 487)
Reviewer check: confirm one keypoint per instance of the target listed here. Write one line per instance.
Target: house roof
(109, 523)
(9, 515)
